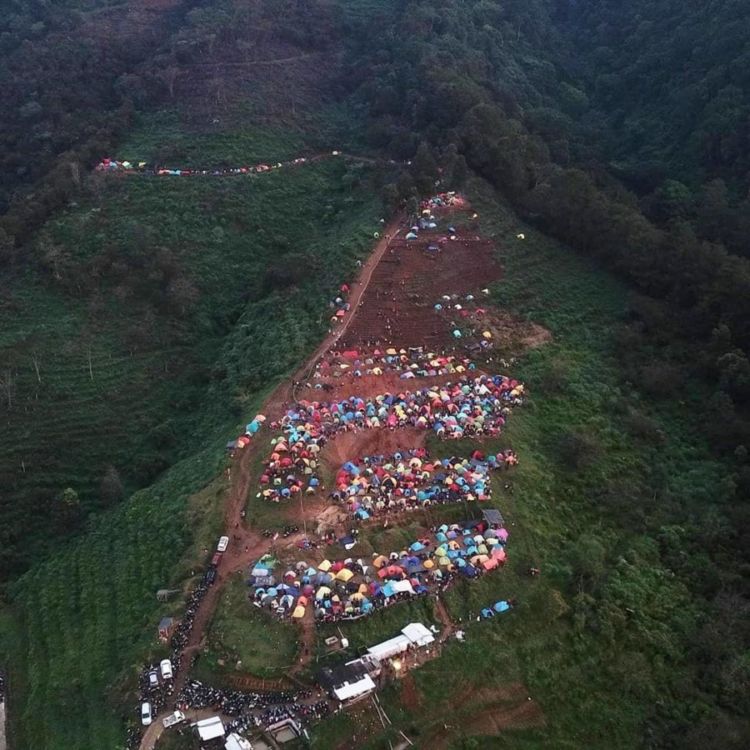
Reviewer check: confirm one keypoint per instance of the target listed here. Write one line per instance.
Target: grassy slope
(240, 631)
(86, 618)
(141, 405)
(597, 664)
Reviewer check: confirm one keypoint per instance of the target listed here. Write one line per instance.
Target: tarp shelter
(387, 649)
(237, 742)
(418, 634)
(346, 681)
(493, 517)
(210, 729)
(166, 626)
(350, 691)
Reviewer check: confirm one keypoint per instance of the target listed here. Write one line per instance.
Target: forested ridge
(621, 129)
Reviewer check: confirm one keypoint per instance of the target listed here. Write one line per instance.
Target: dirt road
(247, 544)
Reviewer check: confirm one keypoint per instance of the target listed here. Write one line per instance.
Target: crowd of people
(469, 407)
(353, 588)
(252, 710)
(410, 480)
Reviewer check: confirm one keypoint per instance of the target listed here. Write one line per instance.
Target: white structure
(414, 635)
(418, 634)
(387, 649)
(351, 690)
(236, 742)
(210, 729)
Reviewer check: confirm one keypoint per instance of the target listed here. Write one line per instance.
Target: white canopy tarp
(355, 689)
(236, 742)
(210, 729)
(418, 634)
(389, 648)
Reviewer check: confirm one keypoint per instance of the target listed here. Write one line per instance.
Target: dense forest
(621, 129)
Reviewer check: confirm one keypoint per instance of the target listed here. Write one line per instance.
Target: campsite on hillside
(374, 375)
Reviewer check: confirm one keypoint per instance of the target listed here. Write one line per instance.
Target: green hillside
(143, 319)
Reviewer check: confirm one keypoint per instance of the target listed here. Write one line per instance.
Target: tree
(111, 490)
(7, 248)
(67, 509)
(424, 169)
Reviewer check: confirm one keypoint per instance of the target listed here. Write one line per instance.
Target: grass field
(240, 632)
(126, 358)
(84, 620)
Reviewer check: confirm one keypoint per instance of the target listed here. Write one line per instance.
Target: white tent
(403, 587)
(210, 729)
(418, 634)
(351, 690)
(389, 648)
(236, 742)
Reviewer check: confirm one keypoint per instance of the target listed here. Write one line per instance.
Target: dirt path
(448, 627)
(247, 544)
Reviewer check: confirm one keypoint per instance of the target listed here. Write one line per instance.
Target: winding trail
(247, 544)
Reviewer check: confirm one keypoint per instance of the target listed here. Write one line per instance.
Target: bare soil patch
(411, 697)
(351, 445)
(398, 307)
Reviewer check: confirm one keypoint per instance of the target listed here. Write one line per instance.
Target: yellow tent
(344, 575)
(379, 561)
(298, 612)
(325, 566)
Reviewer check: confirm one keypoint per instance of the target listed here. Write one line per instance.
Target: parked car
(216, 559)
(210, 576)
(173, 718)
(223, 544)
(153, 679)
(166, 669)
(146, 717)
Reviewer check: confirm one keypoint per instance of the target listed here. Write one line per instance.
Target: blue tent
(417, 547)
(502, 606)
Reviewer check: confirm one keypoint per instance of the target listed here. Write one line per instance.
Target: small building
(418, 634)
(210, 729)
(388, 649)
(237, 742)
(347, 682)
(166, 628)
(414, 635)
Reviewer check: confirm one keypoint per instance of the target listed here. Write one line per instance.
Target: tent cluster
(250, 430)
(339, 304)
(496, 609)
(443, 200)
(467, 407)
(409, 363)
(453, 305)
(142, 167)
(349, 589)
(409, 480)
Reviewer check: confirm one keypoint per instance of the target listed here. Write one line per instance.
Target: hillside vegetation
(143, 319)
